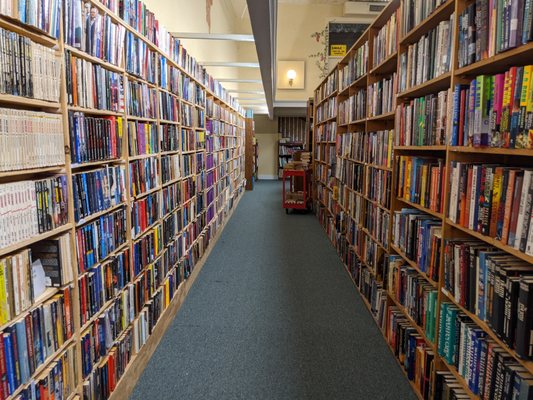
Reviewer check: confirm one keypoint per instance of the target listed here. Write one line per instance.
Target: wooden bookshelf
(215, 201)
(338, 202)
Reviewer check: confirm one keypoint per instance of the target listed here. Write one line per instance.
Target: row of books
(494, 201)
(488, 371)
(33, 340)
(99, 239)
(143, 138)
(326, 132)
(428, 58)
(495, 111)
(29, 69)
(326, 110)
(26, 275)
(30, 139)
(377, 222)
(168, 107)
(415, 294)
(382, 96)
(353, 108)
(487, 28)
(374, 148)
(423, 121)
(98, 190)
(43, 14)
(169, 136)
(328, 88)
(141, 100)
(385, 43)
(144, 213)
(378, 184)
(495, 287)
(144, 176)
(193, 117)
(95, 139)
(409, 347)
(351, 174)
(89, 30)
(30, 208)
(141, 61)
(170, 168)
(419, 237)
(415, 11)
(357, 66)
(93, 86)
(421, 181)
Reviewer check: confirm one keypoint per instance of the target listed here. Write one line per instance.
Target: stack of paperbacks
(301, 160)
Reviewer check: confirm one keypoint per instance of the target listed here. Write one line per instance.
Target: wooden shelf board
(32, 171)
(95, 60)
(95, 111)
(421, 208)
(492, 150)
(93, 164)
(387, 66)
(414, 265)
(97, 215)
(500, 62)
(432, 86)
(493, 242)
(28, 242)
(420, 148)
(27, 102)
(382, 117)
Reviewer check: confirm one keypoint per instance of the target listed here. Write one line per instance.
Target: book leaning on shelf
(30, 139)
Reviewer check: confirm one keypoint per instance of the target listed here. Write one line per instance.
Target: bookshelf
(141, 164)
(251, 154)
(408, 194)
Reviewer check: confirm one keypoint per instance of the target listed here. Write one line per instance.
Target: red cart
(298, 195)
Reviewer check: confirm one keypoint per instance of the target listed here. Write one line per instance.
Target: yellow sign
(337, 50)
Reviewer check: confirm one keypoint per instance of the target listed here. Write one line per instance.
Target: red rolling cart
(296, 189)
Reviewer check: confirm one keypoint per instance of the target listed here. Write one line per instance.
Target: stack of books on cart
(301, 161)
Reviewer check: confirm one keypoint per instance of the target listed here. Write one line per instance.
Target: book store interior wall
(266, 199)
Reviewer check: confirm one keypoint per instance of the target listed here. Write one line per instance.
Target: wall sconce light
(291, 75)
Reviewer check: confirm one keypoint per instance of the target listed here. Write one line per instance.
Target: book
(95, 139)
(382, 96)
(357, 66)
(385, 43)
(143, 138)
(144, 175)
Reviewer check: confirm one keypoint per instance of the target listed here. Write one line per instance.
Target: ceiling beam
(235, 37)
(240, 80)
(263, 17)
(247, 91)
(229, 64)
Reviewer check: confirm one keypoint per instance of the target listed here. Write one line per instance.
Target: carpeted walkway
(272, 315)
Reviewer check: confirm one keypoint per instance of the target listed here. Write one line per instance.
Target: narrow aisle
(272, 315)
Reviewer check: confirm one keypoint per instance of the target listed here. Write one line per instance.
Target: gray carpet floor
(272, 315)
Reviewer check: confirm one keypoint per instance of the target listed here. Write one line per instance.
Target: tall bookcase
(251, 154)
(174, 141)
(393, 180)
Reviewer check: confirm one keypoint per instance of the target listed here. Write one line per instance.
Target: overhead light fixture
(291, 76)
